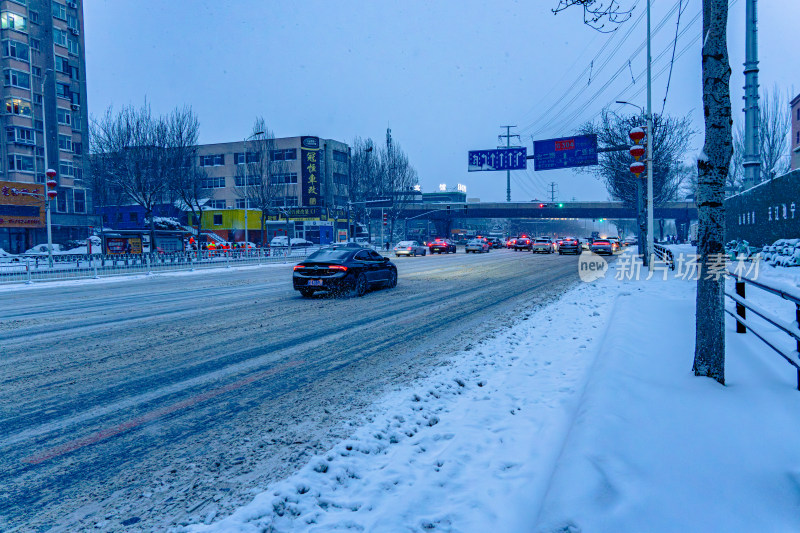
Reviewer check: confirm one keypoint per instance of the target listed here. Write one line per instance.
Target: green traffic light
(560, 205)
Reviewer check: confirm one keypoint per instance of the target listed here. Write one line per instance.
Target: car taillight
(409, 247)
(338, 267)
(298, 267)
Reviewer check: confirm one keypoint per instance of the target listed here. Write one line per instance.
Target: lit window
(16, 106)
(12, 21)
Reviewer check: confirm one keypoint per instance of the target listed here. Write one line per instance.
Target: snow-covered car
(6, 257)
(410, 248)
(543, 245)
(40, 249)
(477, 246)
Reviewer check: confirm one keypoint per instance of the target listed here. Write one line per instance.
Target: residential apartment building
(311, 179)
(45, 120)
(794, 151)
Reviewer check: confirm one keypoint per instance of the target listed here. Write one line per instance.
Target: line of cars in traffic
(565, 245)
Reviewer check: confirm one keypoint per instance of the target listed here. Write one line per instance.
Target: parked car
(543, 245)
(570, 245)
(439, 246)
(477, 246)
(411, 248)
(522, 243)
(602, 246)
(40, 249)
(341, 269)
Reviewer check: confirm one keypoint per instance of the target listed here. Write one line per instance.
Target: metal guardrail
(742, 325)
(665, 255)
(82, 266)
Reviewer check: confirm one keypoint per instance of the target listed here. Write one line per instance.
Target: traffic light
(51, 184)
(385, 219)
(560, 205)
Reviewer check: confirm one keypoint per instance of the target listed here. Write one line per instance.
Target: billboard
(310, 171)
(17, 208)
(565, 152)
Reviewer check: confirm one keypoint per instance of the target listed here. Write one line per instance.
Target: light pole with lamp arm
(247, 187)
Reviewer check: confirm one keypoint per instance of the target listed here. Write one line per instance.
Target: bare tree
(712, 170)
(597, 12)
(397, 180)
(671, 138)
(259, 179)
(186, 178)
(364, 176)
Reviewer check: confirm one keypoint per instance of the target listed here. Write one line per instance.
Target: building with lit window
(45, 117)
(310, 177)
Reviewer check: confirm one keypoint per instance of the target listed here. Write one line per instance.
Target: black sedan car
(343, 269)
(570, 245)
(439, 246)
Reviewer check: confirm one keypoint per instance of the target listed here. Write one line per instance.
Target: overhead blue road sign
(579, 151)
(500, 159)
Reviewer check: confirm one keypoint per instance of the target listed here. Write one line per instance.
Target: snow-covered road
(143, 402)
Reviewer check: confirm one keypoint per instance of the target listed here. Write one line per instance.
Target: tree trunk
(641, 219)
(712, 167)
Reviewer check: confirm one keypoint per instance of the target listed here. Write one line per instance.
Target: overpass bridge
(440, 214)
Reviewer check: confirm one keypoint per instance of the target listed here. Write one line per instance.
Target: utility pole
(649, 250)
(553, 191)
(507, 137)
(752, 157)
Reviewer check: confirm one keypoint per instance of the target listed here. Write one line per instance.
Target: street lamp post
(247, 187)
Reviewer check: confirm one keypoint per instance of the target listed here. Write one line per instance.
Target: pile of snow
(584, 416)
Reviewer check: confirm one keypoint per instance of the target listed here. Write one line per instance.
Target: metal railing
(742, 325)
(81, 266)
(664, 254)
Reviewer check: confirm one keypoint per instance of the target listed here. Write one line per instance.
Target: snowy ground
(585, 417)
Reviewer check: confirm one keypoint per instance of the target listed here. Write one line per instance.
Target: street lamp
(247, 187)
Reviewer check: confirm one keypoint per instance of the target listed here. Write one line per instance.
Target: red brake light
(338, 267)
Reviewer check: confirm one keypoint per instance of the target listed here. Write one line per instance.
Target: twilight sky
(443, 75)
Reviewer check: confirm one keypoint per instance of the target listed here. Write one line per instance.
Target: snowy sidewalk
(583, 416)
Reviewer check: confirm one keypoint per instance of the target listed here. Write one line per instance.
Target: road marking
(153, 415)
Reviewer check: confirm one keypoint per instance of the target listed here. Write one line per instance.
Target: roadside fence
(29, 269)
(743, 305)
(665, 255)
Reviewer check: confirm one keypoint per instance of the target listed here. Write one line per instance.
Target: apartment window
(213, 183)
(64, 116)
(284, 179)
(20, 163)
(34, 16)
(289, 154)
(16, 106)
(339, 179)
(286, 201)
(19, 135)
(17, 78)
(73, 46)
(133, 216)
(72, 22)
(339, 156)
(62, 90)
(79, 200)
(252, 157)
(15, 49)
(38, 125)
(65, 143)
(37, 98)
(76, 121)
(251, 180)
(61, 201)
(213, 160)
(66, 168)
(241, 203)
(217, 218)
(36, 44)
(12, 21)
(75, 73)
(62, 65)
(60, 37)
(36, 71)
(59, 11)
(77, 148)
